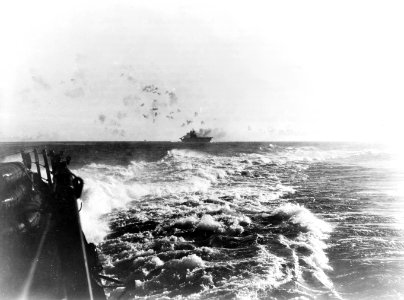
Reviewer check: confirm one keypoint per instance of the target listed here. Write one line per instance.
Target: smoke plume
(215, 132)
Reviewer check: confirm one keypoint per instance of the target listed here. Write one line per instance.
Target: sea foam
(109, 187)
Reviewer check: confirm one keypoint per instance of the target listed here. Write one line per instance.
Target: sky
(236, 70)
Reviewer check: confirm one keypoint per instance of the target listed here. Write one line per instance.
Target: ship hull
(196, 140)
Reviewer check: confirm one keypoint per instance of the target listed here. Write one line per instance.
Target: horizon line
(213, 142)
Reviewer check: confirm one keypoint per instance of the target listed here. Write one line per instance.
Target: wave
(323, 152)
(111, 187)
(211, 250)
(176, 153)
(216, 226)
(305, 236)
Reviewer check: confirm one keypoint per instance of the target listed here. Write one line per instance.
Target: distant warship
(192, 137)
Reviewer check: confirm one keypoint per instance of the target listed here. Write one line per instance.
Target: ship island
(192, 137)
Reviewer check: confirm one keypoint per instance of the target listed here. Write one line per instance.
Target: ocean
(243, 220)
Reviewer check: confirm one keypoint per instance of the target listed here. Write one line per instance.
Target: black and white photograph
(192, 150)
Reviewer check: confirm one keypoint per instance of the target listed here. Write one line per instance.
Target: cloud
(131, 78)
(41, 136)
(25, 91)
(80, 58)
(120, 115)
(79, 76)
(114, 123)
(119, 132)
(75, 93)
(46, 136)
(130, 100)
(41, 82)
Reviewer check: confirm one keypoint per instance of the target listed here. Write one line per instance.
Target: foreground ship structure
(43, 251)
(192, 137)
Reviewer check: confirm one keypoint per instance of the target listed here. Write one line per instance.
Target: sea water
(244, 220)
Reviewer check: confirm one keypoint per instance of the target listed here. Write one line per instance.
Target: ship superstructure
(192, 137)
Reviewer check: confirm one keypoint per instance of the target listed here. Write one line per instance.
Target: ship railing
(40, 159)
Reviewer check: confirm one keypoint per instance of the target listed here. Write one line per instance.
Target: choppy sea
(244, 220)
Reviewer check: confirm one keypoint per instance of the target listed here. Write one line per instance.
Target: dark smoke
(216, 133)
(173, 98)
(204, 132)
(102, 118)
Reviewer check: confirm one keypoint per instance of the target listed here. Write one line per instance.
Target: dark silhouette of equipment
(44, 253)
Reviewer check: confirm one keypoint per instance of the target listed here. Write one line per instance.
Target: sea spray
(109, 187)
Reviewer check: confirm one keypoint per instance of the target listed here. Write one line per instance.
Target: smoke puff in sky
(262, 70)
(216, 132)
(120, 115)
(41, 82)
(102, 118)
(75, 93)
